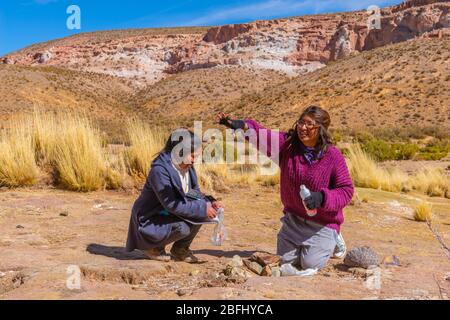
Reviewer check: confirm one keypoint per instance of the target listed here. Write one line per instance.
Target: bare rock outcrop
(293, 45)
(225, 33)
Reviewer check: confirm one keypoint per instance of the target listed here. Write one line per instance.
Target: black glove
(232, 124)
(314, 201)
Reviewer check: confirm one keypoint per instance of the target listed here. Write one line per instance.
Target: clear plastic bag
(220, 232)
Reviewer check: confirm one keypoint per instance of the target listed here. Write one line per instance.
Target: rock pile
(260, 263)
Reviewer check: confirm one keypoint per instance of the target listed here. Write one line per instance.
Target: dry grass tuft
(17, 163)
(367, 174)
(423, 212)
(145, 143)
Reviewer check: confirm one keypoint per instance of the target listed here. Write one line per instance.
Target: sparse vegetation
(423, 212)
(367, 173)
(17, 163)
(72, 147)
(145, 143)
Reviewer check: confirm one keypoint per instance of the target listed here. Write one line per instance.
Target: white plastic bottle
(305, 194)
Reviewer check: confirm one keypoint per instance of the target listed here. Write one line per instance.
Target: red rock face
(414, 3)
(225, 33)
(294, 45)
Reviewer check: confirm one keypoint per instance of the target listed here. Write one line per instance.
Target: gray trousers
(305, 244)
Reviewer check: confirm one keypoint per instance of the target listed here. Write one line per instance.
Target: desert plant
(423, 212)
(71, 146)
(367, 174)
(79, 156)
(431, 181)
(145, 143)
(17, 163)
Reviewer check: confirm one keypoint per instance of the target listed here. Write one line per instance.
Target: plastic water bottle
(220, 232)
(305, 194)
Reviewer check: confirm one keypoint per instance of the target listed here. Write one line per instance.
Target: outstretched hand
(225, 120)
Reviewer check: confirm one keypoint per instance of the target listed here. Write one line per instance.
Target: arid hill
(264, 69)
(293, 45)
(402, 85)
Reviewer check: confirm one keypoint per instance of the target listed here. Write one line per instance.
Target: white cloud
(280, 8)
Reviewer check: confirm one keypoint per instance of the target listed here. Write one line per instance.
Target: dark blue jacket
(161, 200)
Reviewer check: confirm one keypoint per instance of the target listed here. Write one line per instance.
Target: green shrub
(381, 150)
(434, 150)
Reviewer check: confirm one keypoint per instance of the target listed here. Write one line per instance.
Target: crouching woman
(307, 157)
(170, 201)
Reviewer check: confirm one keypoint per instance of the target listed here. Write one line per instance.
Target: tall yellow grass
(366, 173)
(72, 146)
(423, 212)
(431, 181)
(17, 163)
(145, 143)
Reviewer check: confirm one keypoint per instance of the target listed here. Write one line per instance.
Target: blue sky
(24, 22)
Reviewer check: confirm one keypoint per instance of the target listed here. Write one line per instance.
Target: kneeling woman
(306, 157)
(170, 198)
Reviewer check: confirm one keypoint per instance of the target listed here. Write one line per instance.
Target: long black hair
(322, 119)
(183, 136)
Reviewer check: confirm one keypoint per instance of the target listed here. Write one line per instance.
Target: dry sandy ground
(43, 232)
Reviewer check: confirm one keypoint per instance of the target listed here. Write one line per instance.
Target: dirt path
(43, 232)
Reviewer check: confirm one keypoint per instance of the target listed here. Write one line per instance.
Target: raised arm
(267, 141)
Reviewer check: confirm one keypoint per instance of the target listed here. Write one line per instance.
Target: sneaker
(184, 255)
(157, 254)
(341, 249)
(288, 269)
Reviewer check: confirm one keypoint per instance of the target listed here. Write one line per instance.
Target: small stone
(265, 259)
(64, 214)
(194, 273)
(253, 266)
(266, 272)
(237, 261)
(2, 274)
(20, 227)
(358, 272)
(392, 261)
(182, 292)
(275, 271)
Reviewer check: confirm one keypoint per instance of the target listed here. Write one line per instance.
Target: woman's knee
(313, 259)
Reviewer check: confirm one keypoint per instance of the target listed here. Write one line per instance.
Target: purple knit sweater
(329, 175)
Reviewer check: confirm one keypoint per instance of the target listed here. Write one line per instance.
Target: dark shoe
(184, 255)
(157, 254)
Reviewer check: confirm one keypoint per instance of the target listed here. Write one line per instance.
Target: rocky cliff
(294, 45)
